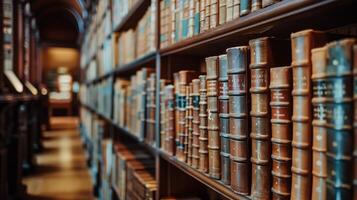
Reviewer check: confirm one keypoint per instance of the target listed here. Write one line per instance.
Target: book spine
(187, 124)
(280, 103)
(207, 14)
(319, 131)
(170, 120)
(213, 119)
(224, 119)
(203, 139)
(256, 5)
(260, 117)
(355, 120)
(301, 45)
(151, 107)
(190, 124)
(191, 21)
(177, 112)
(162, 114)
(202, 15)
(195, 122)
(229, 11)
(339, 120)
(244, 7)
(214, 17)
(238, 84)
(196, 17)
(182, 121)
(222, 11)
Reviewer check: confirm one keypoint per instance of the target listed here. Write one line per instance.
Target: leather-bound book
(195, 122)
(150, 109)
(214, 17)
(355, 120)
(224, 119)
(202, 15)
(256, 5)
(266, 3)
(184, 78)
(236, 9)
(319, 131)
(187, 116)
(190, 124)
(301, 44)
(265, 52)
(170, 120)
(177, 105)
(207, 14)
(229, 10)
(212, 116)
(238, 85)
(162, 114)
(203, 139)
(339, 119)
(142, 76)
(244, 7)
(281, 104)
(222, 11)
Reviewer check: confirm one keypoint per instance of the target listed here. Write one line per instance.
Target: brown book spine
(260, 117)
(203, 139)
(339, 119)
(207, 14)
(162, 114)
(224, 119)
(190, 124)
(301, 45)
(256, 5)
(280, 103)
(238, 85)
(150, 107)
(214, 14)
(186, 132)
(202, 15)
(213, 119)
(170, 120)
(195, 122)
(222, 11)
(177, 111)
(355, 120)
(319, 131)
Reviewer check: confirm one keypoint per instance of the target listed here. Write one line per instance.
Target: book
(229, 10)
(203, 139)
(150, 109)
(195, 122)
(170, 120)
(214, 13)
(256, 5)
(236, 9)
(319, 132)
(189, 124)
(212, 116)
(238, 85)
(163, 111)
(224, 119)
(301, 44)
(222, 11)
(280, 103)
(355, 120)
(265, 52)
(244, 7)
(339, 119)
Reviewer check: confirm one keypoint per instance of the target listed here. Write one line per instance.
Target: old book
(142, 76)
(144, 184)
(236, 9)
(150, 109)
(256, 5)
(214, 13)
(244, 7)
(195, 122)
(212, 116)
(203, 139)
(189, 123)
(185, 11)
(301, 44)
(207, 15)
(197, 27)
(177, 108)
(224, 118)
(202, 15)
(355, 120)
(266, 3)
(170, 120)
(162, 113)
(339, 119)
(319, 131)
(238, 85)
(265, 53)
(222, 11)
(229, 10)
(281, 104)
(184, 78)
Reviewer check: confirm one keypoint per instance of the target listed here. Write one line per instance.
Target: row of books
(272, 119)
(120, 9)
(140, 40)
(182, 19)
(134, 104)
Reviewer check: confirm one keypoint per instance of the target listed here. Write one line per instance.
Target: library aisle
(62, 164)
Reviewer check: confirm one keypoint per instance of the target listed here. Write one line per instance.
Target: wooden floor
(61, 172)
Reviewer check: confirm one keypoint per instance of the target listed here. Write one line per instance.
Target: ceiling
(60, 22)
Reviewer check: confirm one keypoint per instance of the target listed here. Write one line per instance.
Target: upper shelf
(133, 16)
(279, 19)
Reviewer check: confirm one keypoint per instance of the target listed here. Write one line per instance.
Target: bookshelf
(279, 20)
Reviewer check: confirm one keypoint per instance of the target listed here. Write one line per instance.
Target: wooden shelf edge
(251, 22)
(132, 17)
(204, 179)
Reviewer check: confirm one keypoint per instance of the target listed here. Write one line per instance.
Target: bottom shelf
(203, 178)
